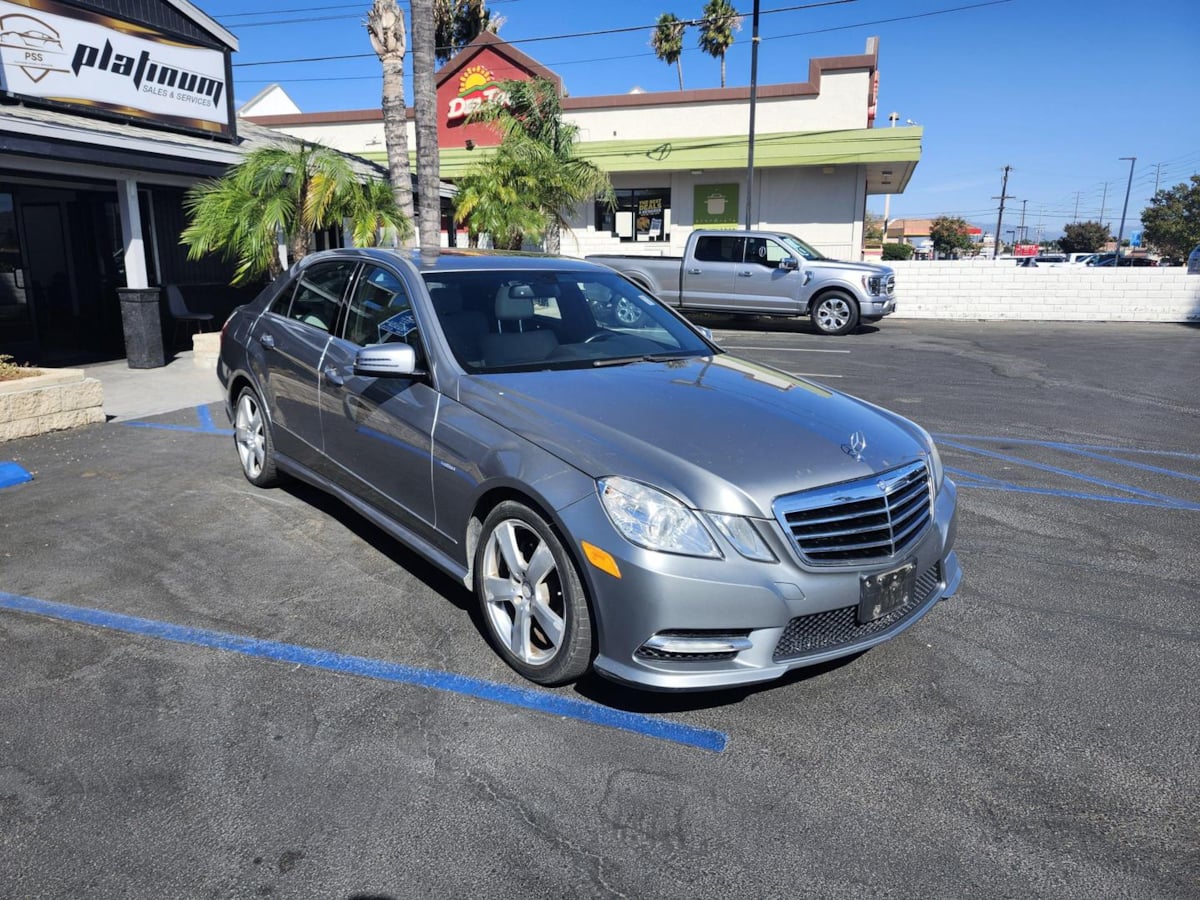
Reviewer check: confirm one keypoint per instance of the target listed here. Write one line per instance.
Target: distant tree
(385, 25)
(717, 25)
(458, 22)
(1171, 223)
(949, 233)
(873, 229)
(1083, 237)
(667, 41)
(893, 252)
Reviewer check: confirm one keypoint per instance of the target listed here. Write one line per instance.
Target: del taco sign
(476, 87)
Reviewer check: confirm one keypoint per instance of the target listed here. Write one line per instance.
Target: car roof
(456, 260)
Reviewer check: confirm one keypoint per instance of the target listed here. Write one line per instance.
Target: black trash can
(142, 322)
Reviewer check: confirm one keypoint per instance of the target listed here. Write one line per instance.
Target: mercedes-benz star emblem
(858, 443)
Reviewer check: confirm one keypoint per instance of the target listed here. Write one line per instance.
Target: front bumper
(877, 307)
(747, 621)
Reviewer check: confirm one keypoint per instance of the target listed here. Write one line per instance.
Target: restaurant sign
(716, 205)
(65, 55)
(476, 87)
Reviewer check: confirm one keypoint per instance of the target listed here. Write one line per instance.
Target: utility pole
(1077, 193)
(1124, 209)
(1000, 217)
(1157, 172)
(1103, 201)
(1022, 231)
(753, 104)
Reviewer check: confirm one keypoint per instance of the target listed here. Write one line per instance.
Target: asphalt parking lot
(216, 691)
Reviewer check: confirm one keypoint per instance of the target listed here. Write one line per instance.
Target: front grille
(866, 521)
(889, 285)
(833, 628)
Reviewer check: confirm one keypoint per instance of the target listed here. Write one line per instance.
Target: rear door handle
(267, 341)
(694, 271)
(333, 376)
(745, 274)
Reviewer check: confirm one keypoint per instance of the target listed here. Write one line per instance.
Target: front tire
(531, 597)
(252, 437)
(835, 313)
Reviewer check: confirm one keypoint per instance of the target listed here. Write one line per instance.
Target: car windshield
(525, 320)
(802, 248)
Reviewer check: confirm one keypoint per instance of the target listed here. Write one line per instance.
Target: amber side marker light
(601, 559)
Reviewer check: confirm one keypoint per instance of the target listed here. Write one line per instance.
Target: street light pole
(1124, 209)
(753, 104)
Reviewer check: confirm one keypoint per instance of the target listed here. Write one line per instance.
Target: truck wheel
(835, 313)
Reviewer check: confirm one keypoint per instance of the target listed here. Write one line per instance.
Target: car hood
(720, 433)
(865, 267)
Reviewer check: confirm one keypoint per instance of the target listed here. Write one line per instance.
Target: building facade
(678, 160)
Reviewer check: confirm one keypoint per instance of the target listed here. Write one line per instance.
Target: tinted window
(318, 293)
(719, 248)
(765, 252)
(379, 311)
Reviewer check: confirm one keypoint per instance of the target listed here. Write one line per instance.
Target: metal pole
(1000, 218)
(1121, 230)
(753, 103)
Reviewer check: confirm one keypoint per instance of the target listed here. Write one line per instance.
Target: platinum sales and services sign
(78, 57)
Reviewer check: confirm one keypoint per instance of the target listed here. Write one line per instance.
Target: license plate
(879, 594)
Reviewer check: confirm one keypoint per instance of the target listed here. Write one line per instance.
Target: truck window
(719, 248)
(765, 252)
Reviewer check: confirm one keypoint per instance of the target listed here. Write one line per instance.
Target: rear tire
(835, 313)
(531, 597)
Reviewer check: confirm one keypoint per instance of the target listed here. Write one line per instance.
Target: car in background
(1108, 259)
(620, 492)
(1194, 262)
(1080, 259)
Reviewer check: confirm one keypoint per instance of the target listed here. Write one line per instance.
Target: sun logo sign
(476, 87)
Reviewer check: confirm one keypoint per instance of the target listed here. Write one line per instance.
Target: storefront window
(14, 305)
(640, 214)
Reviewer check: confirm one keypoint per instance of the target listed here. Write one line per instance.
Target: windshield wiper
(645, 357)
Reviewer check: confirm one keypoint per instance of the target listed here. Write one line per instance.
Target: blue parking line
(1149, 498)
(525, 698)
(12, 474)
(203, 416)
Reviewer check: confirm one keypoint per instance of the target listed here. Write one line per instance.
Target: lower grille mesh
(836, 627)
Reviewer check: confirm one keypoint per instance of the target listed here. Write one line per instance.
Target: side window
(719, 248)
(765, 252)
(319, 292)
(380, 312)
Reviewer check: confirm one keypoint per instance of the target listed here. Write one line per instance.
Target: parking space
(213, 690)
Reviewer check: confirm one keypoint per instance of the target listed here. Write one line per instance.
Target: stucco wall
(1002, 290)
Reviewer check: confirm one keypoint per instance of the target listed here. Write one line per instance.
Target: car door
(378, 430)
(292, 337)
(710, 270)
(764, 284)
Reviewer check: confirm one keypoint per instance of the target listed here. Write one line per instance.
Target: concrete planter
(52, 400)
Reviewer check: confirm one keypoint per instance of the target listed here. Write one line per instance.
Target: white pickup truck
(763, 273)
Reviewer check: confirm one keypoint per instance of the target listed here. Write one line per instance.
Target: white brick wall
(982, 289)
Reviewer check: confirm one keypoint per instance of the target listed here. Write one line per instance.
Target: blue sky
(1057, 89)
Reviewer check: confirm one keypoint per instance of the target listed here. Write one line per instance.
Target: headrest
(514, 302)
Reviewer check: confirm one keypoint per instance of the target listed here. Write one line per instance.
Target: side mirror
(386, 361)
(789, 263)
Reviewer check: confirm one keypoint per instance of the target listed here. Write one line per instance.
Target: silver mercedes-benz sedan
(619, 492)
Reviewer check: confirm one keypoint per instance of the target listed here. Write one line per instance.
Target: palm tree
(717, 25)
(493, 199)
(542, 146)
(667, 41)
(425, 101)
(385, 25)
(458, 22)
(288, 192)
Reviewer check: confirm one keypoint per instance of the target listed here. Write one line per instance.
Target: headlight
(652, 519)
(745, 538)
(936, 471)
(872, 284)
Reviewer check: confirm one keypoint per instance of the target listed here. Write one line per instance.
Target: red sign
(1025, 250)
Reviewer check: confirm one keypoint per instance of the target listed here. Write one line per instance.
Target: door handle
(694, 271)
(267, 341)
(333, 376)
(745, 274)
